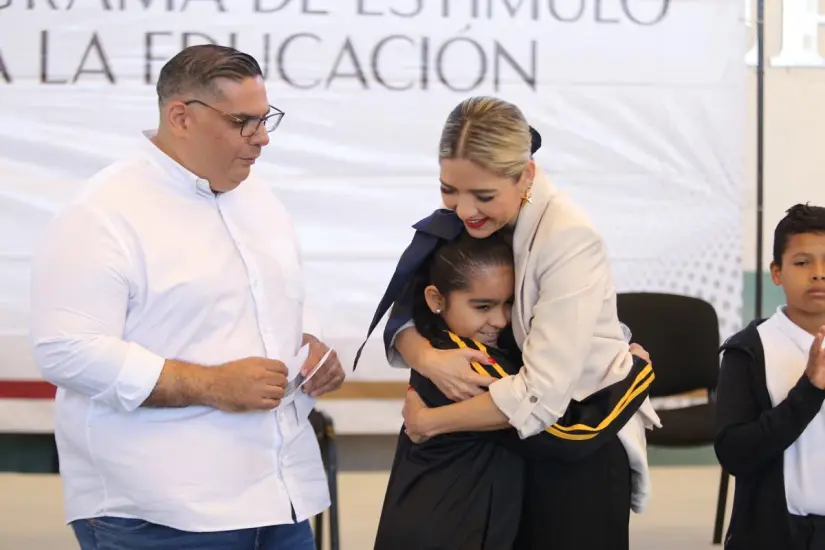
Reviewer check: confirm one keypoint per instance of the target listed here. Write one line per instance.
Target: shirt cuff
(393, 357)
(523, 408)
(136, 380)
(626, 333)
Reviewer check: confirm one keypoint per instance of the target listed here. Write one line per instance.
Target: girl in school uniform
(770, 425)
(564, 322)
(464, 490)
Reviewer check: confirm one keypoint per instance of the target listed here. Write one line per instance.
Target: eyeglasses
(249, 126)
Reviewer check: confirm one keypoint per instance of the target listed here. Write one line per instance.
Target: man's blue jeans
(110, 533)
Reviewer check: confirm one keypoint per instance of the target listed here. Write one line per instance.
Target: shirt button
(533, 399)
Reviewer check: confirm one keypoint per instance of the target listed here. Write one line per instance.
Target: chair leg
(332, 472)
(319, 531)
(319, 519)
(721, 505)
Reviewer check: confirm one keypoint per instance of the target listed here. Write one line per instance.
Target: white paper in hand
(301, 380)
(293, 366)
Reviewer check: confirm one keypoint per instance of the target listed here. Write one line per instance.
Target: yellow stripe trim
(572, 437)
(639, 386)
(480, 369)
(632, 393)
(476, 365)
(561, 431)
(626, 398)
(482, 349)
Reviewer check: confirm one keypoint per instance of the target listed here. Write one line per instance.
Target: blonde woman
(564, 321)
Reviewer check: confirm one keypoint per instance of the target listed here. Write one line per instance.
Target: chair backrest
(681, 333)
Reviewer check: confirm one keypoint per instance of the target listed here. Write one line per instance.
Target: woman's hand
(415, 417)
(451, 372)
(639, 351)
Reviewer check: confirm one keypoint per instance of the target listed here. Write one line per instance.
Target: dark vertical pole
(760, 109)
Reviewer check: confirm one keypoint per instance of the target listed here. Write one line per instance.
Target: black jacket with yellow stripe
(585, 425)
(465, 489)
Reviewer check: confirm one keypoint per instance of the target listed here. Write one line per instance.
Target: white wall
(794, 117)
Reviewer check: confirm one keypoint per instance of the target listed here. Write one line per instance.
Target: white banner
(639, 102)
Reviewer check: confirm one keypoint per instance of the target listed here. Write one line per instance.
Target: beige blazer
(566, 324)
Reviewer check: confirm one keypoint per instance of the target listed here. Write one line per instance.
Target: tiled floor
(680, 515)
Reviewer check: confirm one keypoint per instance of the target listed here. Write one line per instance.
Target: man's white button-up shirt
(149, 264)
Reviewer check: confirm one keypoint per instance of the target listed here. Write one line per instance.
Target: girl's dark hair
(451, 268)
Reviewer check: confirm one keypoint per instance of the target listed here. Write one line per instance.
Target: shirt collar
(800, 337)
(173, 168)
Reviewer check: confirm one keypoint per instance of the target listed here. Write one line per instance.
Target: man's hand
(250, 384)
(330, 375)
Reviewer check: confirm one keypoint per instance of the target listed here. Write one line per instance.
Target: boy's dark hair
(800, 218)
(452, 267)
(194, 70)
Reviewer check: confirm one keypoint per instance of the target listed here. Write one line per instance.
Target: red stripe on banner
(26, 389)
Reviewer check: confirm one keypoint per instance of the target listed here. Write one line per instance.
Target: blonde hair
(490, 133)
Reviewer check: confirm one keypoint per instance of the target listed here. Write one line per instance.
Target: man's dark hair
(800, 218)
(194, 70)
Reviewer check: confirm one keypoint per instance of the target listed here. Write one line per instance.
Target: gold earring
(526, 196)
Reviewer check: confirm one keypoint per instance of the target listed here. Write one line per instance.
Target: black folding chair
(325, 433)
(681, 333)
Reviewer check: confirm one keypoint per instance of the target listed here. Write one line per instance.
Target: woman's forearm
(413, 348)
(471, 415)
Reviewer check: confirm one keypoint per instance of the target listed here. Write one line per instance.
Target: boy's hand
(816, 361)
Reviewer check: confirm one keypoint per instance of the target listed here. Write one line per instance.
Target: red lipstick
(476, 224)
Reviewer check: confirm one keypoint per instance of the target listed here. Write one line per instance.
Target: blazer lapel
(524, 235)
